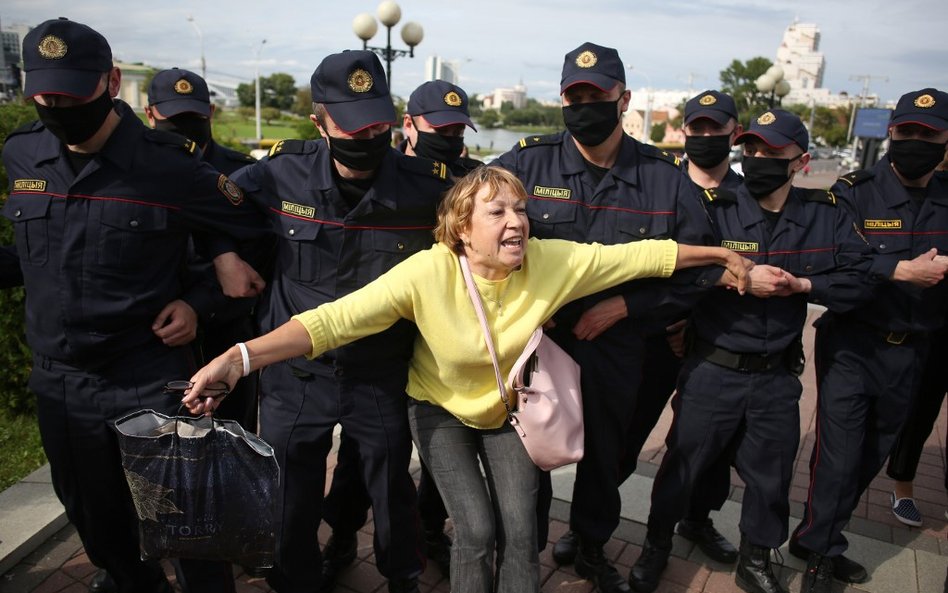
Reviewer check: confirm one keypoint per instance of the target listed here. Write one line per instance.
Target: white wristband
(245, 357)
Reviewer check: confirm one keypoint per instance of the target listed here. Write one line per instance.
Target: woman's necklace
(499, 301)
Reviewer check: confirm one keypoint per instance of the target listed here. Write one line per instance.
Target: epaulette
(662, 155)
(240, 157)
(172, 139)
(824, 196)
(546, 140)
(28, 127)
(719, 195)
(465, 165)
(423, 166)
(856, 177)
(291, 146)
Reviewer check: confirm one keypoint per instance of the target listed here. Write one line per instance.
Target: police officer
(593, 183)
(179, 101)
(434, 124)
(869, 360)
(345, 209)
(102, 208)
(740, 375)
(710, 127)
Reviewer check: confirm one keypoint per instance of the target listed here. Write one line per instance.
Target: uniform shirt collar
(625, 167)
(117, 149)
(384, 188)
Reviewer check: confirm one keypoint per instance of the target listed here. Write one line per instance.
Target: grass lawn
(20, 448)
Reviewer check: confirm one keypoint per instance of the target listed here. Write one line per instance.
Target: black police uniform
(101, 253)
(226, 321)
(643, 196)
(347, 503)
(327, 249)
(657, 386)
(869, 361)
(741, 371)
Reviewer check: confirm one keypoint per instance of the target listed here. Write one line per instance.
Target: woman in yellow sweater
(455, 413)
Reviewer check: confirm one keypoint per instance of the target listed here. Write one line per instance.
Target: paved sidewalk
(900, 559)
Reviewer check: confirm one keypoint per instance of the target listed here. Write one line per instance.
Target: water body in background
(494, 140)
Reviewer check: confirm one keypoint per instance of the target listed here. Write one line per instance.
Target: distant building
(437, 68)
(517, 96)
(134, 91)
(10, 44)
(799, 56)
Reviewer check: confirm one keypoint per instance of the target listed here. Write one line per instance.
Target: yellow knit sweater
(451, 366)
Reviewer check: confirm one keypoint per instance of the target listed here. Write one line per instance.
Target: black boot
(647, 570)
(709, 539)
(844, 569)
(102, 582)
(591, 564)
(438, 550)
(340, 552)
(406, 585)
(755, 573)
(565, 548)
(818, 576)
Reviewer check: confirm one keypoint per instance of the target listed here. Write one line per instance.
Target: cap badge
(587, 59)
(52, 47)
(183, 87)
(360, 81)
(766, 119)
(925, 102)
(452, 99)
(707, 100)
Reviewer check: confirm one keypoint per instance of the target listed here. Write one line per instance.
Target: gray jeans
(492, 509)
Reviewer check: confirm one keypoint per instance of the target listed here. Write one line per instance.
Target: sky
(901, 44)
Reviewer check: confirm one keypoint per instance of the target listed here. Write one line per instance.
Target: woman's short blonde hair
(454, 213)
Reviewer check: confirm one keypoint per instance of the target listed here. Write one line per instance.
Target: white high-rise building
(439, 69)
(799, 56)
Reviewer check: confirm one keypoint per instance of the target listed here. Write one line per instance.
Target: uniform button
(133, 223)
(18, 213)
(809, 268)
(292, 232)
(642, 230)
(401, 246)
(881, 245)
(546, 215)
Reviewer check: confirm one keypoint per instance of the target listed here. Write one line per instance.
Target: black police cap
(711, 104)
(441, 103)
(592, 64)
(778, 128)
(927, 107)
(62, 57)
(177, 91)
(353, 88)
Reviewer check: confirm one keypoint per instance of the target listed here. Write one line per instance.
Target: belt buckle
(896, 338)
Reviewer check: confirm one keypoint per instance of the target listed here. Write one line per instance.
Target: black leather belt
(737, 361)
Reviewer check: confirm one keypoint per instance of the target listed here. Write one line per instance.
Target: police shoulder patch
(423, 166)
(172, 139)
(291, 146)
(823, 196)
(662, 155)
(857, 177)
(230, 190)
(719, 195)
(545, 140)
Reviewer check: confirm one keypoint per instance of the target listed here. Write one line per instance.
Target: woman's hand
(740, 268)
(221, 369)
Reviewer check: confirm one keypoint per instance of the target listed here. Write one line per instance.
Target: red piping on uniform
(106, 198)
(354, 227)
(905, 232)
(617, 208)
(813, 465)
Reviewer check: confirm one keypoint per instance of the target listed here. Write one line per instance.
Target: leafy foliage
(277, 90)
(739, 81)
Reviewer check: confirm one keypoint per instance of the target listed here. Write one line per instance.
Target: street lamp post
(647, 119)
(773, 82)
(201, 39)
(256, 98)
(365, 26)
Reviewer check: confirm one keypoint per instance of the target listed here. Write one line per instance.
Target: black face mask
(707, 151)
(190, 125)
(437, 147)
(763, 175)
(74, 125)
(591, 123)
(915, 158)
(361, 155)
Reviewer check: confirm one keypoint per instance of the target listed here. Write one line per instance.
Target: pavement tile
(55, 583)
(916, 540)
(932, 571)
(688, 574)
(561, 581)
(721, 582)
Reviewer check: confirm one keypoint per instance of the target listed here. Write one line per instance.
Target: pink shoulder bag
(549, 410)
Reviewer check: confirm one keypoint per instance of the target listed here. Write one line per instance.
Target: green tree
(15, 356)
(277, 90)
(739, 81)
(269, 114)
(489, 118)
(658, 132)
(303, 102)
